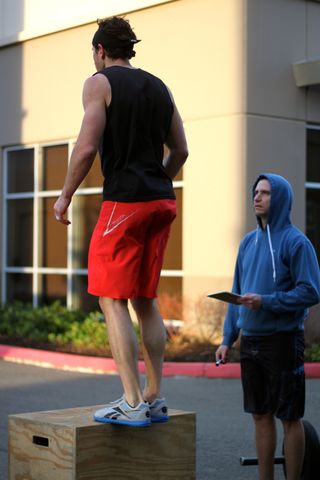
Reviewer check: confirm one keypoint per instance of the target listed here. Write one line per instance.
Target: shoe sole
(137, 423)
(159, 419)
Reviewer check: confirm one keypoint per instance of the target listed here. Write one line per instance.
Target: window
(313, 186)
(43, 260)
(172, 273)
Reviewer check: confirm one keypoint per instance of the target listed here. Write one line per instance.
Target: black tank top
(138, 122)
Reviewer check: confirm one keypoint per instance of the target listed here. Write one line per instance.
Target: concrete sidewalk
(224, 432)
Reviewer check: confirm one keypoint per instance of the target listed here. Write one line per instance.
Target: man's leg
(124, 346)
(153, 339)
(294, 446)
(266, 438)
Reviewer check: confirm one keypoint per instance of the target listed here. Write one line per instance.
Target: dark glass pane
(313, 218)
(86, 210)
(313, 155)
(170, 297)
(20, 233)
(52, 288)
(55, 164)
(20, 171)
(19, 287)
(94, 177)
(53, 241)
(82, 300)
(173, 254)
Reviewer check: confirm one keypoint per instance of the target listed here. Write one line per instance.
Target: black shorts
(272, 374)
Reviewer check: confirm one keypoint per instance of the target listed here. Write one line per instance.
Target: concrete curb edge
(102, 365)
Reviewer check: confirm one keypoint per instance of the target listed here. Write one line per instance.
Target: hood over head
(280, 202)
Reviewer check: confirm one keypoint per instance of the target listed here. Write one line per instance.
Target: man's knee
(143, 306)
(106, 304)
(291, 425)
(263, 419)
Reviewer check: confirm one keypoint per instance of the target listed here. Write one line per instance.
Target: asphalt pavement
(224, 432)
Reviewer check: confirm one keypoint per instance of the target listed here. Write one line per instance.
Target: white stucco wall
(24, 19)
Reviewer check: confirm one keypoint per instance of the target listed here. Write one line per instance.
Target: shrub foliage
(57, 327)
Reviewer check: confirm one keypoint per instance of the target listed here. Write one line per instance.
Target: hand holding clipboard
(228, 297)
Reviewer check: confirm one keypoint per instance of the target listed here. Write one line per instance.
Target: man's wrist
(66, 196)
(266, 301)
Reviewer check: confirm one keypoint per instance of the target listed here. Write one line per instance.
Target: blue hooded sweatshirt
(279, 263)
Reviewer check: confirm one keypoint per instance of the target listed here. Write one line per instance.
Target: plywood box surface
(70, 445)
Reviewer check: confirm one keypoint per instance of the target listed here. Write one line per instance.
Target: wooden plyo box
(70, 445)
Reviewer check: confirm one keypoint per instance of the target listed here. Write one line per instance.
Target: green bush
(312, 353)
(91, 333)
(56, 325)
(23, 321)
(76, 331)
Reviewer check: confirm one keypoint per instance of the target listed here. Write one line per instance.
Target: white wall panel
(24, 19)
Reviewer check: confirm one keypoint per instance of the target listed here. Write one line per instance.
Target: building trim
(307, 73)
(89, 14)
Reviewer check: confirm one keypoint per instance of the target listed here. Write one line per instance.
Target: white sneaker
(119, 412)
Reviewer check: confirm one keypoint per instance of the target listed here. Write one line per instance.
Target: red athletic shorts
(127, 248)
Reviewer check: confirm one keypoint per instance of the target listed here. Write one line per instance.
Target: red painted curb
(82, 363)
(312, 370)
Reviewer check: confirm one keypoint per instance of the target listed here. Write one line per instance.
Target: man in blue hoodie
(277, 276)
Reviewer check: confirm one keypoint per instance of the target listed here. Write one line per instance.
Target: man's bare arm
(177, 144)
(95, 93)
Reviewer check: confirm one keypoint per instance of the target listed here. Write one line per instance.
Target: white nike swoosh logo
(115, 225)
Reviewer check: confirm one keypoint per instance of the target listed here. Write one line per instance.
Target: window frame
(37, 195)
(310, 185)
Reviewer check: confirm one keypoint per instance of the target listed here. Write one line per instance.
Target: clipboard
(228, 297)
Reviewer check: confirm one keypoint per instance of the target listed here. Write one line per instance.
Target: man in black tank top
(129, 116)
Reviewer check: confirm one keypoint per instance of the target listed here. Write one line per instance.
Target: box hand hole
(42, 441)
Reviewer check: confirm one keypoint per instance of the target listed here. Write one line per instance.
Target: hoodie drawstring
(272, 255)
(257, 235)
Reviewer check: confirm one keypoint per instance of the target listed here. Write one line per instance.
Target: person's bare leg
(124, 346)
(153, 339)
(294, 447)
(266, 437)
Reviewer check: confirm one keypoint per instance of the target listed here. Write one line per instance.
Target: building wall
(185, 53)
(280, 33)
(21, 20)
(229, 66)
(313, 51)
